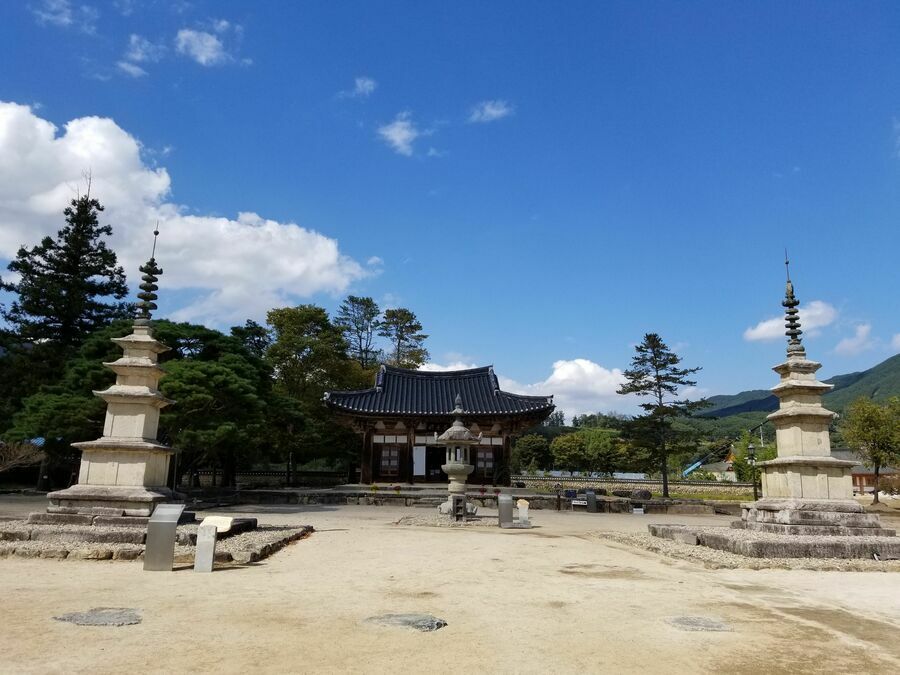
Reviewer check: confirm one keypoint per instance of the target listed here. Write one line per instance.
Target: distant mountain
(879, 383)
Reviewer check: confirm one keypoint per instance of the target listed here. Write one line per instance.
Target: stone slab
(60, 519)
(762, 545)
(121, 521)
(818, 530)
(690, 509)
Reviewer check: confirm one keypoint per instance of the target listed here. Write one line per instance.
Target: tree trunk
(877, 469)
(43, 481)
(665, 475)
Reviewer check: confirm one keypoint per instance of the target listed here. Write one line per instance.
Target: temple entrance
(434, 457)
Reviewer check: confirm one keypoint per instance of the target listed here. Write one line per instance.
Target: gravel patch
(103, 616)
(446, 521)
(715, 559)
(425, 623)
(701, 624)
(28, 540)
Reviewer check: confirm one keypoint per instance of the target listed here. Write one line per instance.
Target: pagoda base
(108, 500)
(828, 517)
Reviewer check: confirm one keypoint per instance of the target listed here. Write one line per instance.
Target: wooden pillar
(410, 444)
(367, 460)
(504, 458)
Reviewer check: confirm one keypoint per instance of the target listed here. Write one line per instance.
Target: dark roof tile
(418, 392)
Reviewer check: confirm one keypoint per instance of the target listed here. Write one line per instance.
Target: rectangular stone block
(690, 509)
(119, 536)
(61, 519)
(121, 521)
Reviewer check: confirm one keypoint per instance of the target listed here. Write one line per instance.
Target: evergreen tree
(358, 320)
(255, 338)
(655, 375)
(403, 330)
(67, 287)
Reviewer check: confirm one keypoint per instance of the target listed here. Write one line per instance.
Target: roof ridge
(436, 373)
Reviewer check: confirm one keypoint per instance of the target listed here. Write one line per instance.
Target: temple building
(400, 418)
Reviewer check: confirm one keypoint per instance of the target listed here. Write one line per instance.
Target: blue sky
(541, 183)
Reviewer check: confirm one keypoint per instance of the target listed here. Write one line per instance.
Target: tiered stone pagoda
(805, 489)
(124, 473)
(807, 509)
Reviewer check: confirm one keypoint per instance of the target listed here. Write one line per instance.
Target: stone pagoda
(124, 473)
(805, 490)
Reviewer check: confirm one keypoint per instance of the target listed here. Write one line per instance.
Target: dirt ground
(551, 599)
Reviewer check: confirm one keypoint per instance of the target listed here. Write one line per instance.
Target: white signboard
(418, 460)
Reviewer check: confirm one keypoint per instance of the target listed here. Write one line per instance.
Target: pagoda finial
(791, 315)
(458, 403)
(148, 296)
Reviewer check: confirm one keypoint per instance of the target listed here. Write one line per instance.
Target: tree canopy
(403, 330)
(873, 430)
(69, 286)
(358, 319)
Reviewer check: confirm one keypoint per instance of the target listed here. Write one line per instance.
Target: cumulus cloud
(229, 268)
(578, 386)
(895, 342)
(860, 342)
(363, 87)
(142, 50)
(813, 316)
(131, 69)
(205, 48)
(61, 13)
(400, 134)
(489, 111)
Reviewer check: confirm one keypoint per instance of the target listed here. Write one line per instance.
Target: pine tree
(358, 319)
(655, 374)
(403, 329)
(65, 285)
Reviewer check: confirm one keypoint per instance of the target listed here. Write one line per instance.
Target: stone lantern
(458, 441)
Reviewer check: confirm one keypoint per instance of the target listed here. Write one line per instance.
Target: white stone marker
(523, 511)
(205, 554)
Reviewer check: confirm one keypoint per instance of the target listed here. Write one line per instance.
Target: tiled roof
(417, 392)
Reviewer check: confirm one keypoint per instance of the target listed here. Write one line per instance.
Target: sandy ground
(551, 599)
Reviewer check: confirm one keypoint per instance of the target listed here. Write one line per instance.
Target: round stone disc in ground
(103, 616)
(422, 622)
(699, 623)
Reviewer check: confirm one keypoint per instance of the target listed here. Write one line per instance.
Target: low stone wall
(548, 483)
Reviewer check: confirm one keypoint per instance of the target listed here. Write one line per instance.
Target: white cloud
(131, 69)
(141, 50)
(229, 268)
(489, 111)
(439, 367)
(61, 13)
(579, 386)
(363, 87)
(374, 261)
(895, 342)
(400, 134)
(205, 48)
(860, 342)
(813, 316)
